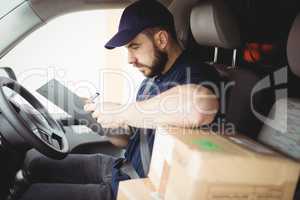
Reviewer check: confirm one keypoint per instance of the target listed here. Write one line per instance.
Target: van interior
(253, 44)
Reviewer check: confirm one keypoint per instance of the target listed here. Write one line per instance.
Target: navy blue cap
(138, 16)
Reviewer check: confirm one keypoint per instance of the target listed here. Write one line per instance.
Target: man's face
(144, 54)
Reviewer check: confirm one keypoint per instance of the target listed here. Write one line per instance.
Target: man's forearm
(184, 106)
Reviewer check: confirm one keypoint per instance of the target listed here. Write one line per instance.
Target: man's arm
(119, 136)
(188, 105)
(183, 106)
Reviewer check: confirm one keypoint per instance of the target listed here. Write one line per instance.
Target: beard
(158, 64)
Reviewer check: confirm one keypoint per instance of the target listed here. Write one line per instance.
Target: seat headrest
(181, 11)
(293, 47)
(212, 24)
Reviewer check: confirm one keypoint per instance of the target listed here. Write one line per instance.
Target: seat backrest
(282, 130)
(213, 24)
(243, 103)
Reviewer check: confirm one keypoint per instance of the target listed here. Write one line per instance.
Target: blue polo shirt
(183, 71)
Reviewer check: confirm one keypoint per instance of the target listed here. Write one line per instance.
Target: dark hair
(149, 32)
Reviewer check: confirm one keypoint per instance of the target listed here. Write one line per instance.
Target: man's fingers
(86, 100)
(89, 107)
(95, 114)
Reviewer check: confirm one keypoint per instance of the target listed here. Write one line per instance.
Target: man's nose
(131, 59)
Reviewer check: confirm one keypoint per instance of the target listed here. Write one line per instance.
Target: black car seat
(282, 128)
(213, 24)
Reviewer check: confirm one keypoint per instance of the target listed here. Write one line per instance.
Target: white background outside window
(71, 49)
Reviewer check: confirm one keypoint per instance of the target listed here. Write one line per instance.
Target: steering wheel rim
(39, 133)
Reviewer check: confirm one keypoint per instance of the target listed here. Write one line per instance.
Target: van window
(8, 5)
(71, 49)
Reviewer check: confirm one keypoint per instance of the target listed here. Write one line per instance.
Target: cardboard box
(138, 189)
(210, 167)
(161, 160)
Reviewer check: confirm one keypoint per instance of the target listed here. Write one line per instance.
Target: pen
(92, 98)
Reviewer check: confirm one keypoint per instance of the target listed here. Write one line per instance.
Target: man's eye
(135, 47)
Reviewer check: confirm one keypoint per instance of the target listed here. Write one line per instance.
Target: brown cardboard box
(138, 189)
(210, 167)
(161, 160)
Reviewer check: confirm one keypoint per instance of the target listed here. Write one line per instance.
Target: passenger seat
(213, 24)
(282, 132)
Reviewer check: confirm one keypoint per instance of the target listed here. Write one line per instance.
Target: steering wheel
(32, 122)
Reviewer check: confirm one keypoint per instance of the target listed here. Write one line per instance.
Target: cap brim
(121, 38)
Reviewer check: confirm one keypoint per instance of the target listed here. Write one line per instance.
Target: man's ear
(161, 39)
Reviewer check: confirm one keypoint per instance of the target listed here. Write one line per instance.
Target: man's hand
(108, 114)
(117, 133)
